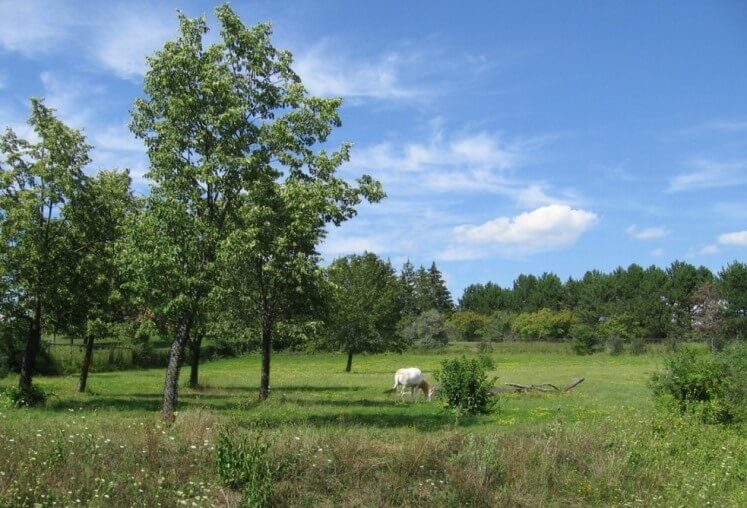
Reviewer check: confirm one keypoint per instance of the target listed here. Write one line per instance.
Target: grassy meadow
(335, 439)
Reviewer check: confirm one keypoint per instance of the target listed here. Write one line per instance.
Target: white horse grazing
(413, 378)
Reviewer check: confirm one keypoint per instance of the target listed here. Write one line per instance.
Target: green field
(335, 439)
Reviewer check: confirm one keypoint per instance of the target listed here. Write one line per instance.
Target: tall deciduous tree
(221, 123)
(365, 306)
(37, 180)
(97, 215)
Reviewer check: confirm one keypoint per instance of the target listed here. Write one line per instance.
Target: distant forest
(676, 303)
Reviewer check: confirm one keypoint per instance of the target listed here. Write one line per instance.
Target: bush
(243, 464)
(427, 331)
(622, 325)
(545, 324)
(465, 387)
(486, 361)
(467, 325)
(615, 345)
(712, 386)
(585, 339)
(638, 346)
(35, 396)
(499, 326)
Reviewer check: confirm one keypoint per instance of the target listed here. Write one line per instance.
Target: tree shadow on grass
(389, 420)
(336, 403)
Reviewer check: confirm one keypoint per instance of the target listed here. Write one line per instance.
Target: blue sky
(511, 137)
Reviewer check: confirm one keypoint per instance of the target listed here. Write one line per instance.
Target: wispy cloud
(717, 125)
(735, 238)
(415, 72)
(481, 162)
(328, 71)
(118, 138)
(731, 210)
(646, 233)
(34, 27)
(657, 252)
(710, 174)
(71, 97)
(117, 38)
(546, 228)
(338, 245)
(703, 251)
(123, 44)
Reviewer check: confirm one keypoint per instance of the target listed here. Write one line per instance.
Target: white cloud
(117, 137)
(710, 174)
(657, 252)
(482, 162)
(735, 238)
(128, 37)
(546, 228)
(72, 98)
(327, 71)
(718, 125)
(647, 233)
(32, 27)
(338, 245)
(482, 150)
(137, 164)
(703, 251)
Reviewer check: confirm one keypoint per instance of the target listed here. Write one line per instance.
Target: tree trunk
(33, 342)
(176, 353)
(194, 347)
(350, 362)
(264, 387)
(87, 360)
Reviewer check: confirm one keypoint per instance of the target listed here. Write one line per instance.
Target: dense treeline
(676, 303)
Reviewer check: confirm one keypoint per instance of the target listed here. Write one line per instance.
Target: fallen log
(543, 387)
(573, 385)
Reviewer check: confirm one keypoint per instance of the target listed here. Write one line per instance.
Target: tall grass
(636, 460)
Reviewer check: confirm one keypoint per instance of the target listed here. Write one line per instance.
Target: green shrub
(638, 346)
(545, 324)
(585, 339)
(499, 327)
(712, 386)
(486, 361)
(467, 325)
(622, 325)
(243, 464)
(484, 347)
(14, 396)
(465, 387)
(615, 345)
(426, 331)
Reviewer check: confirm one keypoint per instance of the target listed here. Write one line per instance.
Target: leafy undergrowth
(94, 459)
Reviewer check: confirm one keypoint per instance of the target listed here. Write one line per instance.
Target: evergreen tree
(442, 301)
(484, 299)
(407, 281)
